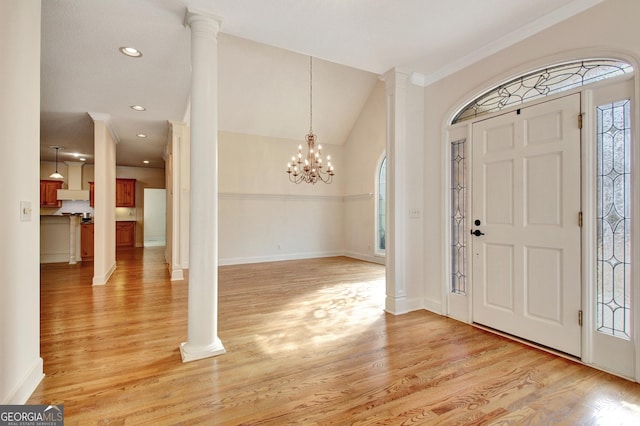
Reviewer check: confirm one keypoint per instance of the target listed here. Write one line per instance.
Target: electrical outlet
(414, 212)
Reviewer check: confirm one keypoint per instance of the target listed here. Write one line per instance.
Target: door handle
(477, 233)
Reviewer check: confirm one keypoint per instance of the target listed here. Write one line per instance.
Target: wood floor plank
(308, 342)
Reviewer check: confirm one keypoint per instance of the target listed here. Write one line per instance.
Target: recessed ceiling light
(131, 51)
(138, 107)
(146, 161)
(141, 135)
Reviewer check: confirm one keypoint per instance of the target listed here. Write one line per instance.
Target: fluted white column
(202, 335)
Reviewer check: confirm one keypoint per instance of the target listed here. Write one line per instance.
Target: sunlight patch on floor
(611, 411)
(321, 318)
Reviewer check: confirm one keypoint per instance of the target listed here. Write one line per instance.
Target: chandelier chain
(310, 94)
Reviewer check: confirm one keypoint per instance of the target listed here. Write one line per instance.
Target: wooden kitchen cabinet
(125, 234)
(49, 193)
(86, 241)
(125, 192)
(125, 237)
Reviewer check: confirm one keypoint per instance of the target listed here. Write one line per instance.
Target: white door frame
(460, 306)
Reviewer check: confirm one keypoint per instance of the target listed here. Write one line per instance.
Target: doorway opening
(155, 217)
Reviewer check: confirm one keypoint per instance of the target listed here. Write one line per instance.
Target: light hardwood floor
(307, 342)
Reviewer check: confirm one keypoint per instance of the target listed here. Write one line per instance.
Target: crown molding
(541, 24)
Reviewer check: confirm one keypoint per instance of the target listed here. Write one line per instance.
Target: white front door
(525, 211)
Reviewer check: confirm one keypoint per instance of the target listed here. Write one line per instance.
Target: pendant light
(56, 174)
(309, 168)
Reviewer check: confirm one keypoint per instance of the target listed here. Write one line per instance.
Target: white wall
(264, 217)
(21, 367)
(364, 148)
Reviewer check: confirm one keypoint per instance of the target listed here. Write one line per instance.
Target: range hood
(74, 180)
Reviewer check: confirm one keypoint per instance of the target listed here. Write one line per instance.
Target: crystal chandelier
(309, 168)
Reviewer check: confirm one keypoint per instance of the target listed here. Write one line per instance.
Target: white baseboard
(25, 388)
(102, 280)
(176, 274)
(434, 306)
(402, 305)
(54, 258)
(366, 257)
(297, 256)
(276, 258)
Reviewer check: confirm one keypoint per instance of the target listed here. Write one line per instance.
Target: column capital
(202, 17)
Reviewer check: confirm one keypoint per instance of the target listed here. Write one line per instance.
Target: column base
(191, 353)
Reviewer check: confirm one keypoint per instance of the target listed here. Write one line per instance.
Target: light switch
(25, 211)
(414, 212)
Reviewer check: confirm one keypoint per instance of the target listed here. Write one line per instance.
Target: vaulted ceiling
(263, 61)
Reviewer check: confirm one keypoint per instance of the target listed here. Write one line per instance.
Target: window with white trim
(381, 209)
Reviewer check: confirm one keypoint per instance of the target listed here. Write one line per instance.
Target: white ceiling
(263, 61)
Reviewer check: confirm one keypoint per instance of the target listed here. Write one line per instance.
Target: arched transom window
(543, 82)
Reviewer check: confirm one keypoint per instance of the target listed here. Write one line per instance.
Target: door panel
(499, 202)
(543, 190)
(543, 284)
(499, 272)
(526, 197)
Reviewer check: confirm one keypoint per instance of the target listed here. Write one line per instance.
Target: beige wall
(264, 217)
(364, 148)
(21, 367)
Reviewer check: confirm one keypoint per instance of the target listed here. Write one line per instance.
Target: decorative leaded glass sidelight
(613, 219)
(541, 83)
(458, 215)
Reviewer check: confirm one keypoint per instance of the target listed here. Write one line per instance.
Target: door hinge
(580, 317)
(579, 121)
(580, 219)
